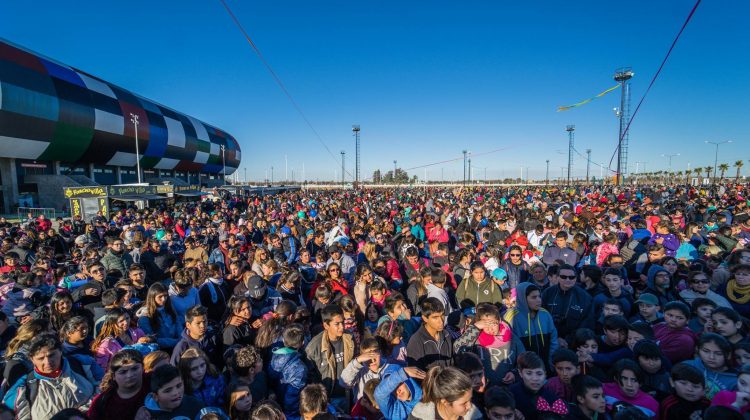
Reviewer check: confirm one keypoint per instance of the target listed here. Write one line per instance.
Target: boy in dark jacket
(431, 345)
(196, 335)
(688, 396)
(531, 398)
(288, 373)
(589, 397)
(649, 358)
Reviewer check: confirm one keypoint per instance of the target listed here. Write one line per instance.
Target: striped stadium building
(62, 127)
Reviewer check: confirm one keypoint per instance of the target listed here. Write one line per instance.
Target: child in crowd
(650, 360)
(398, 393)
(741, 353)
(688, 398)
(628, 377)
(470, 364)
(676, 340)
(589, 401)
(585, 344)
(391, 332)
(201, 379)
(287, 371)
(369, 365)
(500, 404)
(566, 367)
(648, 309)
(494, 342)
(532, 399)
(738, 400)
(612, 344)
(167, 399)
(714, 354)
(701, 309)
(728, 323)
(366, 407)
(533, 324)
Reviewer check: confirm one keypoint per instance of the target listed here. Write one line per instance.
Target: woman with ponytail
(446, 394)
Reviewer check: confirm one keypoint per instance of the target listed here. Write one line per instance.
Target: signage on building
(34, 165)
(73, 192)
(115, 190)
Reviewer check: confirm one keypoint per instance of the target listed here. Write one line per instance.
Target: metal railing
(24, 212)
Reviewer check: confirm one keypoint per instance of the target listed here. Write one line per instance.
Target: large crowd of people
(595, 302)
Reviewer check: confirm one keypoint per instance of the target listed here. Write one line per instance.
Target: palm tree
(738, 165)
(722, 169)
(687, 176)
(708, 170)
(699, 171)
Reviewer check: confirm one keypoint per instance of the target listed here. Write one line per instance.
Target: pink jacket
(441, 236)
(605, 250)
(112, 345)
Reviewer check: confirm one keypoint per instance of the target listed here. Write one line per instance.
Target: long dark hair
(152, 309)
(55, 317)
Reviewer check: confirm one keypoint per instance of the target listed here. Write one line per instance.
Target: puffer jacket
(537, 333)
(320, 359)
(390, 406)
(112, 261)
(69, 390)
(288, 374)
(426, 411)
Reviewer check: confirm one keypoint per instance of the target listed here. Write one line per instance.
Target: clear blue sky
(424, 79)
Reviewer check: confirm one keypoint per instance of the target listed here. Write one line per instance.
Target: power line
(653, 80)
(278, 81)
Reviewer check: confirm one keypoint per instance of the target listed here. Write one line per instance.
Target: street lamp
(669, 157)
(716, 155)
(464, 152)
(134, 120)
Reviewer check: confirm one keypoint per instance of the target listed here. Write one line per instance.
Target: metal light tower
(343, 157)
(134, 120)
(588, 164)
(394, 171)
(669, 159)
(469, 170)
(355, 130)
(223, 164)
(546, 177)
(271, 175)
(571, 130)
(622, 76)
(464, 152)
(716, 155)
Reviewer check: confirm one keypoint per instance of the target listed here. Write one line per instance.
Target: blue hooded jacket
(665, 297)
(537, 333)
(288, 374)
(391, 407)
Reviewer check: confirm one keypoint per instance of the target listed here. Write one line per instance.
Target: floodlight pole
(134, 120)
